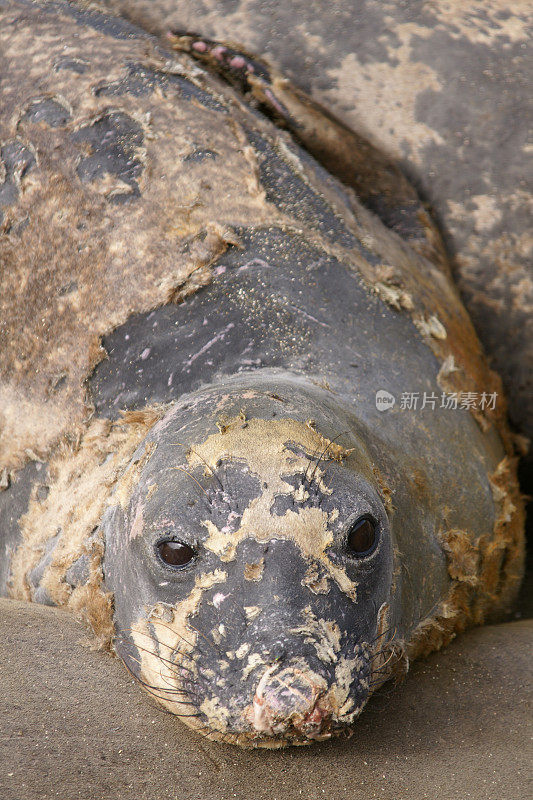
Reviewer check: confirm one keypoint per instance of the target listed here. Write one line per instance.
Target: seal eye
(361, 536)
(175, 554)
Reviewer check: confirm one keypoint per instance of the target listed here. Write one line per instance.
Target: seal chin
(291, 702)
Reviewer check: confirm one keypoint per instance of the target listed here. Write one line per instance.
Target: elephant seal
(249, 434)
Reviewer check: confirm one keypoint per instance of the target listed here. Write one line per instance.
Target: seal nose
(291, 698)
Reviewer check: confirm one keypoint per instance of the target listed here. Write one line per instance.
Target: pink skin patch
(281, 701)
(238, 62)
(137, 527)
(274, 102)
(200, 47)
(219, 598)
(218, 52)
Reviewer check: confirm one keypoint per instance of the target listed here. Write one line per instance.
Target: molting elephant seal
(249, 432)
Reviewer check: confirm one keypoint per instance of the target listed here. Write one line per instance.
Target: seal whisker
(174, 690)
(169, 663)
(197, 454)
(186, 716)
(195, 646)
(384, 633)
(391, 655)
(380, 671)
(142, 633)
(177, 633)
(311, 461)
(324, 453)
(161, 693)
(205, 732)
(212, 644)
(182, 469)
(155, 691)
(385, 646)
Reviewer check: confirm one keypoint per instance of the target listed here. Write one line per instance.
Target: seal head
(256, 560)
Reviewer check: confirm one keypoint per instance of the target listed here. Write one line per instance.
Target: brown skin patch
(253, 572)
(262, 445)
(165, 639)
(168, 238)
(82, 478)
(485, 574)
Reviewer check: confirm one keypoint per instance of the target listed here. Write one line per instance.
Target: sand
(74, 725)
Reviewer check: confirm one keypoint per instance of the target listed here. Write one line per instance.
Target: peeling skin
(243, 650)
(176, 229)
(137, 527)
(262, 445)
(345, 672)
(324, 635)
(484, 573)
(254, 661)
(164, 646)
(394, 296)
(316, 583)
(83, 478)
(432, 327)
(217, 715)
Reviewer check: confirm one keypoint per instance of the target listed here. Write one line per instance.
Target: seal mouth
(290, 701)
(293, 702)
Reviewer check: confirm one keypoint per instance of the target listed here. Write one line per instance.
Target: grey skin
(270, 448)
(332, 333)
(284, 635)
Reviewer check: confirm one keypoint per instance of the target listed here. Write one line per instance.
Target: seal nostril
(291, 699)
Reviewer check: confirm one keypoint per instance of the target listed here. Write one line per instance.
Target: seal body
(207, 464)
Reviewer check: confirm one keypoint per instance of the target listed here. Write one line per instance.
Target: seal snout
(291, 699)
